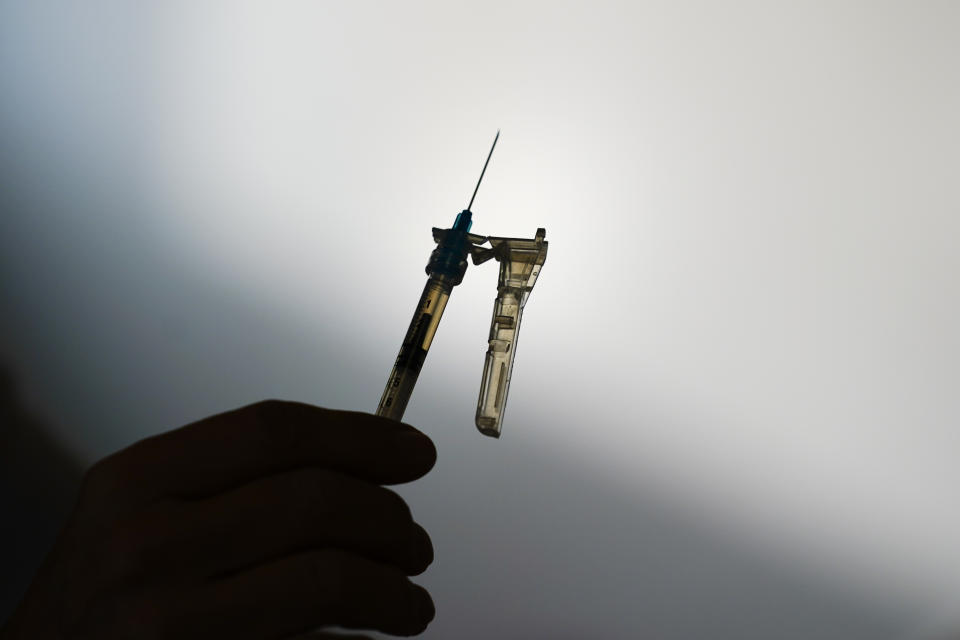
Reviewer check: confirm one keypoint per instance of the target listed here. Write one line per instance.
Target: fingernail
(425, 609)
(421, 548)
(416, 444)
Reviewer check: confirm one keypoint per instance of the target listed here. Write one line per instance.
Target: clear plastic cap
(520, 262)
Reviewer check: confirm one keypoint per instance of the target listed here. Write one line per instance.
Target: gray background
(734, 409)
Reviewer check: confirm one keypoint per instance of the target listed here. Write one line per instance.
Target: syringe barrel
(447, 264)
(413, 352)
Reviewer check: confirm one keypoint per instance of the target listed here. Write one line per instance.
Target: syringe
(446, 268)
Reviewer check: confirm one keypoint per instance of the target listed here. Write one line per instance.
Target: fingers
(265, 522)
(229, 449)
(320, 635)
(299, 510)
(302, 592)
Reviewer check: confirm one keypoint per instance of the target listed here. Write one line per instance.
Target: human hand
(263, 522)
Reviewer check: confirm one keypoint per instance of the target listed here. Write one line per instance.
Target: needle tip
(497, 137)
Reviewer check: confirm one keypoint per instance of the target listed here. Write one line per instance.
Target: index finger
(232, 448)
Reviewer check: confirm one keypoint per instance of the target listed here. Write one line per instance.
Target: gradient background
(735, 407)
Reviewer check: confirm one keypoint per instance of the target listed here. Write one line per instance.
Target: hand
(263, 522)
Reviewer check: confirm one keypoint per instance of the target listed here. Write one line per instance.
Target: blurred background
(734, 412)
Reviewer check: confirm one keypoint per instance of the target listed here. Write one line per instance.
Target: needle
(484, 170)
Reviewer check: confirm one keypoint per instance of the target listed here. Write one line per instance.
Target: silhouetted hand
(263, 522)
